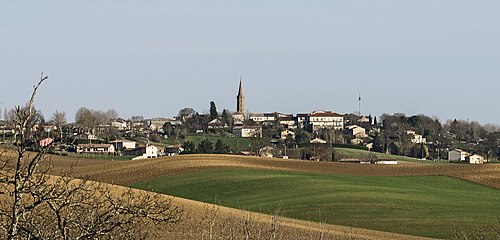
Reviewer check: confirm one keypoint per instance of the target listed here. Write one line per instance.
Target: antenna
(359, 104)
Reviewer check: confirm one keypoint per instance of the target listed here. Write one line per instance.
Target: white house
(474, 159)
(124, 144)
(416, 138)
(326, 119)
(217, 124)
(457, 155)
(95, 148)
(247, 131)
(263, 117)
(144, 152)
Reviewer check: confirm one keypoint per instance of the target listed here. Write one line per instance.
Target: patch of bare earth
(128, 172)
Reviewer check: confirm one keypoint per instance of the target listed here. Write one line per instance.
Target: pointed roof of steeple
(240, 90)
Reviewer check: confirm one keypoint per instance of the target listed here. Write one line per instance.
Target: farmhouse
(247, 131)
(123, 144)
(95, 148)
(143, 152)
(356, 131)
(474, 159)
(457, 155)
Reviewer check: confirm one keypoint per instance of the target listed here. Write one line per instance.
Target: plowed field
(128, 172)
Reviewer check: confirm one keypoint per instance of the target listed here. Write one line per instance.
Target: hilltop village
(312, 136)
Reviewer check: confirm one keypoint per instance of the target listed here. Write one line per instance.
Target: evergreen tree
(189, 147)
(205, 147)
(213, 111)
(220, 147)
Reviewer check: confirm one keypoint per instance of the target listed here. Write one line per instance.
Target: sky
(151, 58)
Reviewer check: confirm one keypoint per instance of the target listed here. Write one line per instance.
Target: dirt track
(128, 172)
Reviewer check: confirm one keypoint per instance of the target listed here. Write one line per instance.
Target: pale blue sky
(152, 58)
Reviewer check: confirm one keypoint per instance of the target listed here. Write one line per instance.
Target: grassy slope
(357, 153)
(235, 143)
(425, 206)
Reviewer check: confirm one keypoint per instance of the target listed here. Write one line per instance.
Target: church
(239, 115)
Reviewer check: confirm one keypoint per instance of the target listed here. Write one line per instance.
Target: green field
(363, 154)
(425, 206)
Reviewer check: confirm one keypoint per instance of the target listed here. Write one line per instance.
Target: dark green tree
(220, 147)
(205, 147)
(213, 111)
(189, 147)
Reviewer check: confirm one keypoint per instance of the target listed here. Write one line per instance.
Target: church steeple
(240, 99)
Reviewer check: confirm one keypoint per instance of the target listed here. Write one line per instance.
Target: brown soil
(128, 172)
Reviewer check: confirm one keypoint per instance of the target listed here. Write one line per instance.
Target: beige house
(95, 148)
(287, 133)
(238, 118)
(356, 131)
(474, 159)
(120, 124)
(326, 119)
(247, 131)
(457, 155)
(155, 124)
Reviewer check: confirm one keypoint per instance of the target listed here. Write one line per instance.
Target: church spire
(240, 99)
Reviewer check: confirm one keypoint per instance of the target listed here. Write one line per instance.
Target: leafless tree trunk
(35, 205)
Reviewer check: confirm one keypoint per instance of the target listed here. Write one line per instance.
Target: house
(317, 141)
(263, 117)
(325, 119)
(416, 138)
(217, 124)
(238, 118)
(287, 134)
(120, 124)
(49, 128)
(156, 124)
(173, 150)
(356, 131)
(87, 136)
(95, 148)
(148, 151)
(474, 159)
(457, 155)
(287, 121)
(267, 152)
(124, 144)
(302, 120)
(46, 142)
(247, 131)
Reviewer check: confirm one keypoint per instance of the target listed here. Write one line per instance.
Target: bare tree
(59, 119)
(35, 205)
